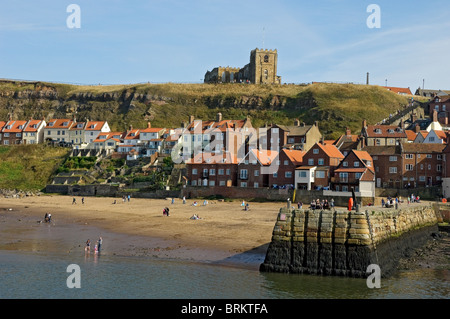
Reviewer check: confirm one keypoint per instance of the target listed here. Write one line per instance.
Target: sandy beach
(225, 233)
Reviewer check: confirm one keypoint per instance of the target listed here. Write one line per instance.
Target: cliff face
(334, 106)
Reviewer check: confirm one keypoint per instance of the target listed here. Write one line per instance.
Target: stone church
(262, 69)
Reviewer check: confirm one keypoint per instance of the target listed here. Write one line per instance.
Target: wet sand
(225, 234)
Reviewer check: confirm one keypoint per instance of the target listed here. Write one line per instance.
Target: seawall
(345, 243)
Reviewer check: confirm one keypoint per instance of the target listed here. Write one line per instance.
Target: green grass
(334, 106)
(29, 167)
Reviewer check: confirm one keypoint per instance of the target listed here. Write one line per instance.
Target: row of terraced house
(232, 153)
(91, 135)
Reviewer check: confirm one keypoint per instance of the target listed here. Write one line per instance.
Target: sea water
(43, 275)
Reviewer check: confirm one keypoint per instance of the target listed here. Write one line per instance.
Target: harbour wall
(345, 243)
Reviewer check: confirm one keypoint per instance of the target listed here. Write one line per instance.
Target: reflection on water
(44, 276)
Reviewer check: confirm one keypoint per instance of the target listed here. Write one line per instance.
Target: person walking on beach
(82, 200)
(100, 242)
(184, 199)
(74, 201)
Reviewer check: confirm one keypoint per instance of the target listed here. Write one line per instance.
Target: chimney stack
(149, 125)
(364, 124)
(348, 132)
(191, 118)
(296, 122)
(219, 117)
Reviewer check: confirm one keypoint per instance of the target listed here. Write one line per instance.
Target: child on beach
(88, 245)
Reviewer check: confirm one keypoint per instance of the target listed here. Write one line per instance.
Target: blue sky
(178, 41)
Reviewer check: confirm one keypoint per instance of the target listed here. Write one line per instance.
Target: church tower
(263, 67)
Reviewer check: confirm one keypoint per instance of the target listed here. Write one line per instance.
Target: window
(222, 183)
(288, 174)
(357, 175)
(431, 139)
(212, 171)
(311, 161)
(18, 134)
(429, 156)
(422, 178)
(194, 183)
(266, 58)
(212, 183)
(439, 156)
(275, 175)
(320, 174)
(291, 140)
(228, 171)
(5, 134)
(408, 156)
(392, 158)
(221, 171)
(439, 167)
(286, 162)
(429, 167)
(255, 185)
(356, 164)
(256, 172)
(316, 151)
(392, 170)
(302, 174)
(5, 142)
(345, 164)
(409, 167)
(320, 161)
(243, 174)
(345, 188)
(194, 171)
(343, 177)
(243, 184)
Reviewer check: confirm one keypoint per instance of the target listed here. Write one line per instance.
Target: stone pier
(345, 243)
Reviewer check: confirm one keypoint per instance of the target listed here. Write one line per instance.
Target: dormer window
(378, 131)
(391, 131)
(65, 123)
(93, 126)
(79, 125)
(51, 123)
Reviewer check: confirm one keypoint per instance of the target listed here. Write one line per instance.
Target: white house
(304, 177)
(33, 133)
(93, 129)
(435, 137)
(58, 130)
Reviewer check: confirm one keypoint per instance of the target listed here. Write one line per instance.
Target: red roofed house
(356, 172)
(401, 91)
(318, 166)
(93, 129)
(383, 135)
(76, 134)
(288, 160)
(257, 167)
(436, 137)
(33, 133)
(108, 140)
(58, 130)
(2, 124)
(153, 137)
(131, 141)
(12, 132)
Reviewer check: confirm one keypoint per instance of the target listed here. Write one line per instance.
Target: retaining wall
(345, 243)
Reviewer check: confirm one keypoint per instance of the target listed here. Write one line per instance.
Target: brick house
(212, 170)
(318, 166)
(288, 160)
(422, 164)
(256, 168)
(383, 135)
(2, 125)
(440, 105)
(407, 165)
(12, 132)
(355, 172)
